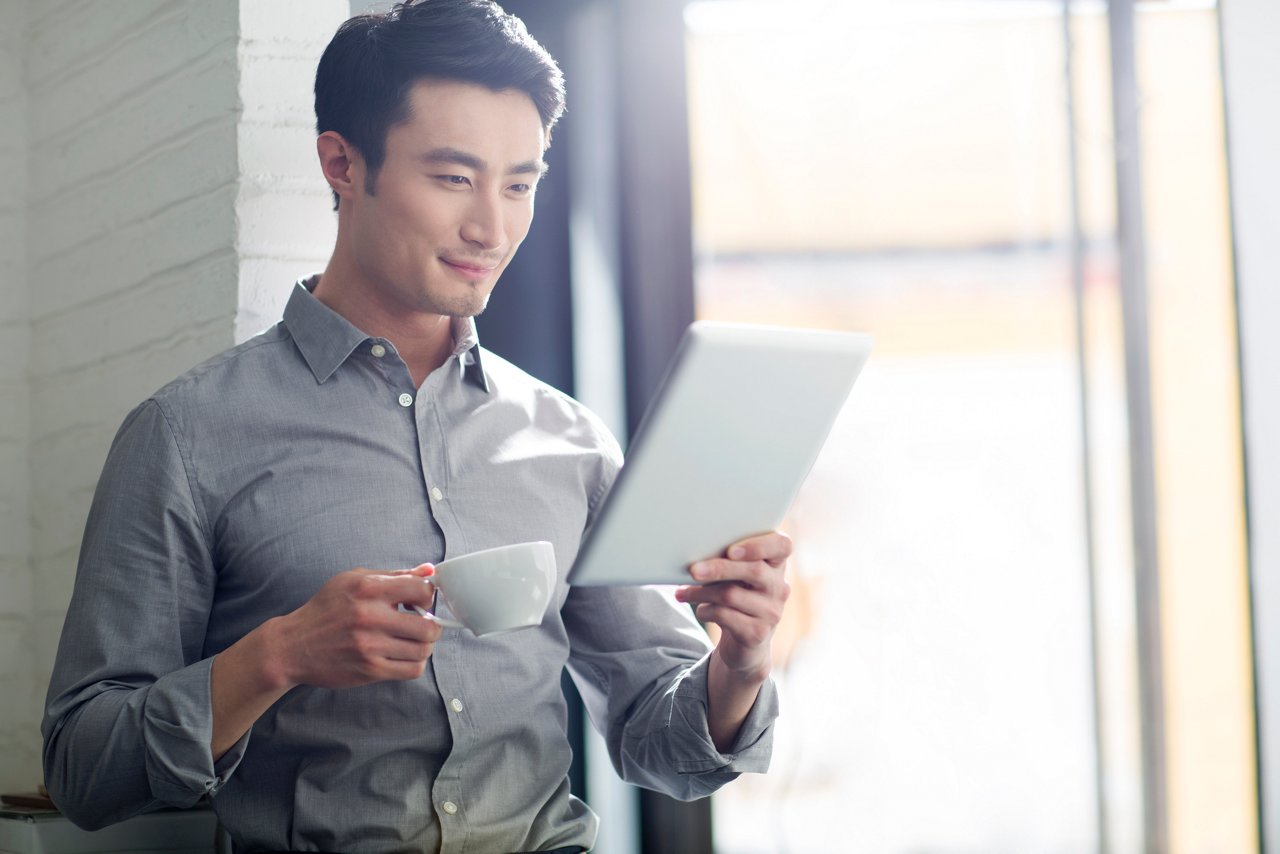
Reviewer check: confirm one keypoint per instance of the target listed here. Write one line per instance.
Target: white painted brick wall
(171, 197)
(18, 751)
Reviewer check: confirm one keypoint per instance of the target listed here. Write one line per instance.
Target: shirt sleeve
(640, 661)
(128, 717)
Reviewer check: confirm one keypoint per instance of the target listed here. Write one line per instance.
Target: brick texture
(287, 225)
(19, 751)
(169, 198)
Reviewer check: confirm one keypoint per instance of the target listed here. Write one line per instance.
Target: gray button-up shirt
(237, 490)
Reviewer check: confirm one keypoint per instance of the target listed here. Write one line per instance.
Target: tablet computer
(721, 451)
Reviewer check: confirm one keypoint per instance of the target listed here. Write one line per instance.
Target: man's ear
(340, 162)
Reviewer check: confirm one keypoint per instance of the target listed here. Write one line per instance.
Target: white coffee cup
(496, 590)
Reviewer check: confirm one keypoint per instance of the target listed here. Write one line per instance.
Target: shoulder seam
(217, 360)
(196, 504)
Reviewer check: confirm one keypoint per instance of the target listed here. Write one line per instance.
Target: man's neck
(423, 340)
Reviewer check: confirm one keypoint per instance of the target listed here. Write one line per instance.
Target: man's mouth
(469, 269)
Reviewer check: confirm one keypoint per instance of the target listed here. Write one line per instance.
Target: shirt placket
(449, 794)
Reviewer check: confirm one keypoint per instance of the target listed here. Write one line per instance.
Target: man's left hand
(743, 592)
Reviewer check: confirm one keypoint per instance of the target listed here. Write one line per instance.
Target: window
(960, 663)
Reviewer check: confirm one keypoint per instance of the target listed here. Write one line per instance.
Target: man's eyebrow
(457, 157)
(529, 167)
(470, 161)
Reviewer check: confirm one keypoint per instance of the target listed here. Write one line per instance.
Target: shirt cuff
(750, 751)
(177, 728)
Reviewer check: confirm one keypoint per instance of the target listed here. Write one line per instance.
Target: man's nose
(483, 224)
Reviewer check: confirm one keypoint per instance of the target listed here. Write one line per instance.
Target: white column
(284, 211)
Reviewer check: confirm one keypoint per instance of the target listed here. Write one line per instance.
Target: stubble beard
(471, 304)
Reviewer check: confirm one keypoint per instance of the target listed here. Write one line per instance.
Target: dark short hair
(368, 69)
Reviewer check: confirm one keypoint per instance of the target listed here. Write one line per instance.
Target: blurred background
(1036, 582)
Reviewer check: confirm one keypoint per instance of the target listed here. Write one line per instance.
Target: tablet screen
(722, 450)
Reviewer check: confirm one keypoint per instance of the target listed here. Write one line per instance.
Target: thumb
(422, 570)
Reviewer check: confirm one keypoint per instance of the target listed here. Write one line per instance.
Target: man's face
(454, 199)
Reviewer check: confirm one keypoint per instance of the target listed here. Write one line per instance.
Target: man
(234, 630)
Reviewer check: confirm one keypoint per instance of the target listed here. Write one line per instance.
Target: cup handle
(441, 621)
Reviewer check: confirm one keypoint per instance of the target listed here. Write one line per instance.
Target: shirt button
(378, 351)
(455, 704)
(436, 493)
(450, 807)
(406, 399)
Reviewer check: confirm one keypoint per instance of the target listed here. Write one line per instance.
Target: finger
(414, 628)
(422, 570)
(401, 671)
(372, 645)
(408, 588)
(744, 629)
(395, 620)
(774, 548)
(759, 574)
(399, 649)
(750, 602)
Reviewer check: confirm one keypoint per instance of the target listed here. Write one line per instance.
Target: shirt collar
(326, 338)
(467, 349)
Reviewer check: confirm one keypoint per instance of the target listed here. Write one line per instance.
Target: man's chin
(470, 307)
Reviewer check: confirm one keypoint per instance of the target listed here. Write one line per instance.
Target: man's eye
(521, 189)
(455, 180)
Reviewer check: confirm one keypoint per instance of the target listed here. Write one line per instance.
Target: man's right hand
(351, 632)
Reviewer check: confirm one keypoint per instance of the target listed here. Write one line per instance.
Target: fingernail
(737, 552)
(700, 570)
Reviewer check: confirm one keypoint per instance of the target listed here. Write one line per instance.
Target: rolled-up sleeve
(696, 753)
(128, 717)
(640, 662)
